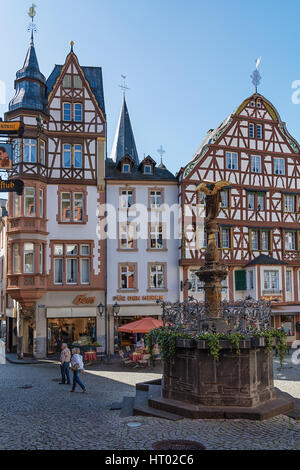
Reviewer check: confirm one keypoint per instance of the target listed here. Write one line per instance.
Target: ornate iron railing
(242, 316)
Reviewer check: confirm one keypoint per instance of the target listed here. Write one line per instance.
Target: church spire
(124, 143)
(30, 84)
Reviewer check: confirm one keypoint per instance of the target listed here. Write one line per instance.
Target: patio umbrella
(141, 326)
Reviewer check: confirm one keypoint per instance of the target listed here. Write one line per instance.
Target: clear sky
(188, 62)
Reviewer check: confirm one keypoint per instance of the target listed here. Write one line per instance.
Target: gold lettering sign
(10, 126)
(83, 299)
(136, 298)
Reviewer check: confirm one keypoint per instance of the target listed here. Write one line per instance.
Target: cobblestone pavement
(47, 416)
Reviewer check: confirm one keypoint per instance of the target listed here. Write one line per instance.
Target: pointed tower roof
(124, 143)
(30, 84)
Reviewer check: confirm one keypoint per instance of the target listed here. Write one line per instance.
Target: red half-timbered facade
(260, 211)
(54, 255)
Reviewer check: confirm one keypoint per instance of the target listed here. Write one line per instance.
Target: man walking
(65, 357)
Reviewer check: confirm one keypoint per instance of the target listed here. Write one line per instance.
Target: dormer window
(258, 103)
(125, 168)
(147, 169)
(252, 104)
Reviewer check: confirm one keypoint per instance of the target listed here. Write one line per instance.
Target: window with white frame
(42, 152)
(259, 131)
(250, 279)
(127, 277)
(157, 276)
(254, 239)
(16, 258)
(156, 236)
(67, 111)
(78, 207)
(147, 169)
(78, 112)
(41, 202)
(41, 258)
(16, 205)
(72, 264)
(126, 168)
(66, 207)
(67, 155)
(77, 81)
(265, 240)
(224, 198)
(260, 201)
(288, 281)
(290, 240)
(231, 161)
(29, 202)
(78, 156)
(271, 280)
(67, 81)
(126, 198)
(196, 284)
(289, 202)
(85, 270)
(256, 163)
(251, 201)
(28, 257)
(127, 236)
(225, 237)
(279, 167)
(75, 200)
(29, 147)
(155, 199)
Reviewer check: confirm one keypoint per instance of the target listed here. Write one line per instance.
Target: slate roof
(112, 172)
(124, 143)
(264, 260)
(93, 76)
(30, 85)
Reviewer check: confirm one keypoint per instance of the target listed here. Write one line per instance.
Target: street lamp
(100, 309)
(116, 310)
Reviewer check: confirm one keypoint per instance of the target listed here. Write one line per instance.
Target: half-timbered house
(56, 263)
(259, 218)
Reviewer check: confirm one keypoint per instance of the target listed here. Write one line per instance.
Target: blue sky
(188, 62)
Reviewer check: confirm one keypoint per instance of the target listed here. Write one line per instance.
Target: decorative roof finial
(123, 86)
(161, 152)
(72, 44)
(256, 77)
(32, 26)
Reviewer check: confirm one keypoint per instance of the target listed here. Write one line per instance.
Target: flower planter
(258, 342)
(185, 343)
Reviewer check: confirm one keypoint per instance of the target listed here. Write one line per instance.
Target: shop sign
(9, 186)
(267, 298)
(83, 299)
(135, 298)
(7, 128)
(5, 156)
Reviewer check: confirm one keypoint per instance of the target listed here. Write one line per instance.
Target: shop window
(79, 331)
(28, 257)
(29, 202)
(287, 324)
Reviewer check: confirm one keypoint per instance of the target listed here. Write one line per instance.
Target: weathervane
(161, 152)
(256, 77)
(123, 86)
(32, 26)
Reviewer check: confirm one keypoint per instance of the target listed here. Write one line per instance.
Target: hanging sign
(9, 186)
(12, 128)
(5, 156)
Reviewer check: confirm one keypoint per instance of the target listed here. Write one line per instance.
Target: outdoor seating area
(138, 355)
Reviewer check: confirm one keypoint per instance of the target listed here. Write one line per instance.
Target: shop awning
(286, 309)
(141, 326)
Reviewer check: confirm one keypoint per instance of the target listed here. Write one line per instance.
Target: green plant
(213, 341)
(235, 339)
(166, 340)
(273, 337)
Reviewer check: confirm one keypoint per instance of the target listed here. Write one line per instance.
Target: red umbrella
(141, 326)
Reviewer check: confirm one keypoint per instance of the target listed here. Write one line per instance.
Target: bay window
(29, 202)
(29, 147)
(271, 280)
(28, 257)
(16, 258)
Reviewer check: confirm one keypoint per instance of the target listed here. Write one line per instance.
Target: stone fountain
(238, 385)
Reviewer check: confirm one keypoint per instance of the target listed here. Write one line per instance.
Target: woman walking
(77, 368)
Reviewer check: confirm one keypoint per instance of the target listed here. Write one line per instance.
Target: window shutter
(240, 280)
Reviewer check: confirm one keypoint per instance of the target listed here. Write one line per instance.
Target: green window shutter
(240, 280)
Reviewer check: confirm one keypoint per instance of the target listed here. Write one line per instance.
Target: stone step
(145, 410)
(127, 407)
(154, 391)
